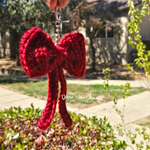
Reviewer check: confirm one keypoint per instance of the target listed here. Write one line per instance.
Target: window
(105, 32)
(66, 27)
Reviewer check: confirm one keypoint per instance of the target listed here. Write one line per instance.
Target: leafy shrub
(19, 131)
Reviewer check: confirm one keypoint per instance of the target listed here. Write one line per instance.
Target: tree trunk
(4, 40)
(4, 52)
(14, 44)
(93, 53)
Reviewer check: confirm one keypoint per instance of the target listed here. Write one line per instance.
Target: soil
(117, 71)
(9, 63)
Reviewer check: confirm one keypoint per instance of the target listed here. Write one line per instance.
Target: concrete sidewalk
(10, 98)
(136, 106)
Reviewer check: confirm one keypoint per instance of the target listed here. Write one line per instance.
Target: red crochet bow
(40, 56)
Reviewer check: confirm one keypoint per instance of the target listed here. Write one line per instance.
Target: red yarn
(40, 56)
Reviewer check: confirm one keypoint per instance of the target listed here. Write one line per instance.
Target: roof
(120, 4)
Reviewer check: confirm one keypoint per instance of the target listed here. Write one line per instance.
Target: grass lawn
(79, 96)
(144, 122)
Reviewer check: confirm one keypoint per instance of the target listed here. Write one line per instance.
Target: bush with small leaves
(19, 131)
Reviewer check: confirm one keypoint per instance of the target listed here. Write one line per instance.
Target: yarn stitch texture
(39, 56)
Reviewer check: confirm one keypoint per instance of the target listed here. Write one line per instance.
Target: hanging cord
(58, 24)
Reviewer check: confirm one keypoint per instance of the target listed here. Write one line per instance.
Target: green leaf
(135, 37)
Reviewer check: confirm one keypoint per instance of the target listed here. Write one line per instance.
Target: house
(5, 45)
(113, 48)
(110, 47)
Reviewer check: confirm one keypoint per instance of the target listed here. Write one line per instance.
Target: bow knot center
(61, 54)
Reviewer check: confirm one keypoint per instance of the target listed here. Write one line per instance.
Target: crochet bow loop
(75, 62)
(37, 53)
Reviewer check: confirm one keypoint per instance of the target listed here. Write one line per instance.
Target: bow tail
(50, 108)
(62, 100)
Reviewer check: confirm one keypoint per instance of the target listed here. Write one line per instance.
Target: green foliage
(143, 60)
(20, 15)
(141, 133)
(106, 73)
(136, 16)
(130, 136)
(17, 16)
(125, 88)
(114, 95)
(19, 131)
(129, 67)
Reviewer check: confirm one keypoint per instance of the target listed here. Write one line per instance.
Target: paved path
(136, 106)
(10, 98)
